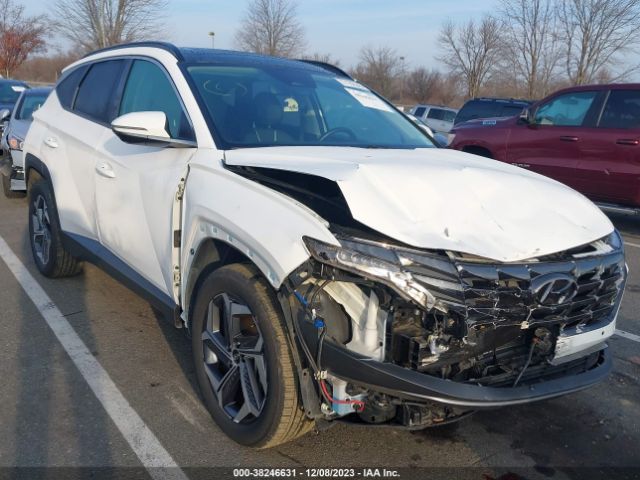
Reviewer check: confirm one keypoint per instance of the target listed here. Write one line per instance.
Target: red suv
(586, 137)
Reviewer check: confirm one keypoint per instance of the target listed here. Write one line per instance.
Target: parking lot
(50, 415)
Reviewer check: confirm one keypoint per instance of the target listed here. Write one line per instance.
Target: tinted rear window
(67, 87)
(96, 95)
(487, 109)
(419, 111)
(622, 110)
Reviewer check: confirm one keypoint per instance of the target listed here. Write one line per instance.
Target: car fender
(264, 225)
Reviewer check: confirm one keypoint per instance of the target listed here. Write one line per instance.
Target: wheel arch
(210, 255)
(478, 150)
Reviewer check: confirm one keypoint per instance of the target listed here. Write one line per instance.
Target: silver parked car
(15, 132)
(438, 118)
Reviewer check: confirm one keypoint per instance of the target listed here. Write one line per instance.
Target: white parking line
(628, 336)
(141, 439)
(629, 244)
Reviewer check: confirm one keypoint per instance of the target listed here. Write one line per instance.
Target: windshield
(269, 106)
(30, 103)
(9, 92)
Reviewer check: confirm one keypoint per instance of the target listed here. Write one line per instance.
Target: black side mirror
(526, 117)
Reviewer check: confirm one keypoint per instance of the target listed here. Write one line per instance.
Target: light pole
(213, 39)
(402, 80)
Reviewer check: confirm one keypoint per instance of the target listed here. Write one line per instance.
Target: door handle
(51, 142)
(105, 170)
(569, 138)
(628, 141)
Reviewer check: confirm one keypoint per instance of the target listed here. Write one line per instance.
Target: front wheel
(242, 359)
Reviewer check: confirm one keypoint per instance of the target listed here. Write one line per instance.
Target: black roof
(210, 55)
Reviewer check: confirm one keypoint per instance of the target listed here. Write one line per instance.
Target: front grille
(499, 293)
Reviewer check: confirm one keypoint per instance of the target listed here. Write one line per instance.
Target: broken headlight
(375, 262)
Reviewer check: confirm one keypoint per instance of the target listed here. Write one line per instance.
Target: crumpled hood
(445, 199)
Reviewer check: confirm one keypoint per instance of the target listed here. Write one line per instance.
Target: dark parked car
(586, 137)
(490, 108)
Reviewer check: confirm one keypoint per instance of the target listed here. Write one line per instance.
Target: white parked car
(327, 260)
(440, 119)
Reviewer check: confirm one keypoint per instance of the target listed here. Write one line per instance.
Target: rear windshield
(265, 105)
(487, 109)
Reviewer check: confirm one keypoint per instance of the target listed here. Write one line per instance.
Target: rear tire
(243, 363)
(49, 254)
(6, 189)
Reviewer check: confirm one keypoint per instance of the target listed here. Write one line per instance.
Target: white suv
(328, 261)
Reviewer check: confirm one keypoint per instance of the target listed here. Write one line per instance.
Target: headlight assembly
(373, 262)
(15, 143)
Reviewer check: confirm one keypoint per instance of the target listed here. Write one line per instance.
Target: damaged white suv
(328, 261)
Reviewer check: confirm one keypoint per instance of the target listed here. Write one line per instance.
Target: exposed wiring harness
(316, 364)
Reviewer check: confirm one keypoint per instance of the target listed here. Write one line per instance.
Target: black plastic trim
(413, 385)
(93, 252)
(168, 47)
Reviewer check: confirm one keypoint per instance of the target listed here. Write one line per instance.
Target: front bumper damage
(502, 334)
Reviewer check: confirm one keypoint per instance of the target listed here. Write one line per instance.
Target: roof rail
(168, 47)
(327, 66)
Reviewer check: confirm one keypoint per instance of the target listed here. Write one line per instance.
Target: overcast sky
(338, 27)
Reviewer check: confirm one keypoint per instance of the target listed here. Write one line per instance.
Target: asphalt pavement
(103, 405)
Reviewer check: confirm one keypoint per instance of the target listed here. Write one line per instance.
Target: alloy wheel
(41, 232)
(234, 358)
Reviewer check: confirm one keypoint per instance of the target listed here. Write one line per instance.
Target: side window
(419, 112)
(622, 110)
(436, 114)
(568, 110)
(67, 87)
(96, 94)
(148, 89)
(512, 110)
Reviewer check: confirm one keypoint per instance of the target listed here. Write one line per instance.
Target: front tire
(242, 359)
(49, 254)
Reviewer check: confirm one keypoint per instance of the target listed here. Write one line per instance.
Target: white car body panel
(73, 175)
(269, 233)
(444, 199)
(133, 208)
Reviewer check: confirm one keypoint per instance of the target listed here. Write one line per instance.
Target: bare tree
(596, 34)
(471, 50)
(379, 69)
(322, 57)
(530, 42)
(424, 85)
(271, 27)
(20, 36)
(93, 24)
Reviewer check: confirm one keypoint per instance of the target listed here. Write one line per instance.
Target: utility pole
(402, 80)
(213, 39)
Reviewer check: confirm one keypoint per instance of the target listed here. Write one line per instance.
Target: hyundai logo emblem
(553, 289)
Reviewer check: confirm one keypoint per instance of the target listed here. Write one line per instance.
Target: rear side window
(67, 87)
(622, 110)
(436, 114)
(95, 97)
(148, 89)
(419, 112)
(511, 110)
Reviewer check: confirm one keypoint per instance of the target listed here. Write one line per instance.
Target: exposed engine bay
(444, 314)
